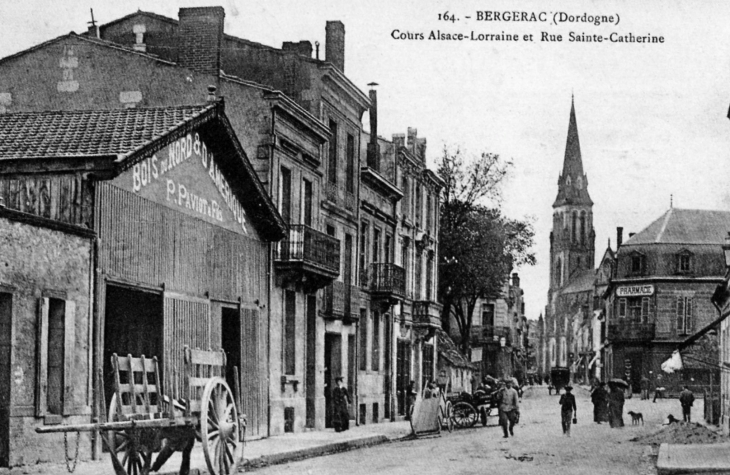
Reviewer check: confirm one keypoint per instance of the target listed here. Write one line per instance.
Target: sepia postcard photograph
(386, 237)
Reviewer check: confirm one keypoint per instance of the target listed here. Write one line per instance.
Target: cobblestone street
(538, 445)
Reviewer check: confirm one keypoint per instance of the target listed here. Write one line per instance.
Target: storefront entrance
(403, 373)
(332, 369)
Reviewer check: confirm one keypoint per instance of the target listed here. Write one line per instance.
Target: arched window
(558, 273)
(574, 227)
(583, 227)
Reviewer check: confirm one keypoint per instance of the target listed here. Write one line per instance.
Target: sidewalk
(258, 453)
(698, 458)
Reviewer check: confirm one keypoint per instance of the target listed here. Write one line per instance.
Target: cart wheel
(126, 447)
(449, 416)
(464, 415)
(219, 428)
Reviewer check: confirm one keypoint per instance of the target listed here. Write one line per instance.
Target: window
(419, 273)
(574, 227)
(428, 212)
(684, 262)
(428, 356)
(376, 341)
(622, 308)
(429, 278)
(418, 205)
(332, 169)
(350, 165)
(307, 209)
(286, 194)
(405, 262)
(363, 339)
(363, 253)
(405, 202)
(488, 314)
(376, 245)
(684, 315)
(56, 340)
(388, 248)
(637, 263)
(558, 273)
(290, 328)
(583, 227)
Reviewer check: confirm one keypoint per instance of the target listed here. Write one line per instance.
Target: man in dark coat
(616, 406)
(341, 406)
(599, 397)
(509, 408)
(568, 410)
(686, 399)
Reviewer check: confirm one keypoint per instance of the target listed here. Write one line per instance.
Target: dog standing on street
(636, 417)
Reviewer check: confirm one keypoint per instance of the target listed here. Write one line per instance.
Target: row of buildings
(623, 316)
(165, 184)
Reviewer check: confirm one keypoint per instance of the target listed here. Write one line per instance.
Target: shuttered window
(684, 315)
(621, 308)
(56, 340)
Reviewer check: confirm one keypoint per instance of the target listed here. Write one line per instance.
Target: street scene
(364, 238)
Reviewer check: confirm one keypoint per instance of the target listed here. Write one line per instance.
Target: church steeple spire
(572, 183)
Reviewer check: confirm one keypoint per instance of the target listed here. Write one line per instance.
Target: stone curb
(311, 452)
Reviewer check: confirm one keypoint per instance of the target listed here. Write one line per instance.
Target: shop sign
(185, 176)
(635, 291)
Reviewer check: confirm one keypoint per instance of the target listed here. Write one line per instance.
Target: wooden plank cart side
(141, 420)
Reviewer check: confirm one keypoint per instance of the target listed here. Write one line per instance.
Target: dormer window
(579, 183)
(568, 181)
(638, 263)
(684, 262)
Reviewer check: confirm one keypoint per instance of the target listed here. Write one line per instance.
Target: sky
(652, 118)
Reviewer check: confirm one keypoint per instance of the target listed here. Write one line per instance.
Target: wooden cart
(142, 420)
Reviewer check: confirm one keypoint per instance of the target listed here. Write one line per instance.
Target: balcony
(386, 282)
(308, 256)
(427, 314)
(341, 302)
(489, 334)
(629, 331)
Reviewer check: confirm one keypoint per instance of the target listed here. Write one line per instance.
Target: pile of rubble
(681, 433)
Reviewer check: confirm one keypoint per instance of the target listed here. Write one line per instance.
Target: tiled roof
(447, 349)
(685, 226)
(119, 132)
(580, 282)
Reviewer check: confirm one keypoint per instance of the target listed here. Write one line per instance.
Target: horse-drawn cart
(142, 420)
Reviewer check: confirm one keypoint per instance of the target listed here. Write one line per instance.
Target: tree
(478, 245)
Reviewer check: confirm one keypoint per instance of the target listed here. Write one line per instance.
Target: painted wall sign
(185, 175)
(635, 291)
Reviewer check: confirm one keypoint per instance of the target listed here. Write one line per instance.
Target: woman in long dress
(616, 406)
(341, 406)
(599, 397)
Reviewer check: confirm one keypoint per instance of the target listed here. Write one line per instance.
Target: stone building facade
(660, 295)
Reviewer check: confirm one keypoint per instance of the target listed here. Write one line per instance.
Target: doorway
(311, 359)
(634, 368)
(6, 320)
(332, 369)
(230, 317)
(132, 326)
(403, 373)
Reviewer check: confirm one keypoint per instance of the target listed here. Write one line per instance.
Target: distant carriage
(559, 377)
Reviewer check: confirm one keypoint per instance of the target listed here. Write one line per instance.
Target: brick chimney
(399, 140)
(303, 48)
(201, 37)
(412, 135)
(334, 47)
(619, 237)
(421, 149)
(373, 153)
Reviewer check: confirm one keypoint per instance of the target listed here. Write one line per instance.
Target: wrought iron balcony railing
(311, 248)
(341, 301)
(427, 313)
(386, 279)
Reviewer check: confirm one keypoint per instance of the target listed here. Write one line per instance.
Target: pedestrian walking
(599, 398)
(644, 388)
(686, 399)
(509, 408)
(341, 410)
(568, 410)
(616, 406)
